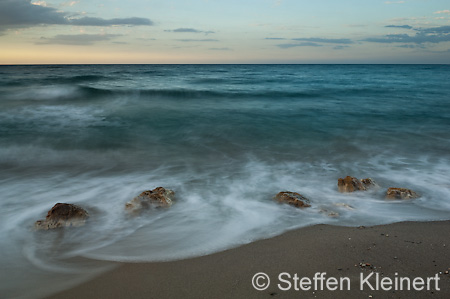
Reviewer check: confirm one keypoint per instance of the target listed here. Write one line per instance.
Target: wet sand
(410, 249)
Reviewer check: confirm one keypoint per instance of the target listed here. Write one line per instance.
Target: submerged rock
(344, 205)
(329, 213)
(400, 193)
(351, 184)
(369, 183)
(293, 198)
(62, 215)
(158, 197)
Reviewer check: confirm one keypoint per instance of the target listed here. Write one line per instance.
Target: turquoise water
(225, 138)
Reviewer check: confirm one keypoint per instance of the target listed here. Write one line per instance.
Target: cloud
(186, 30)
(410, 19)
(340, 47)
(198, 40)
(441, 29)
(89, 21)
(394, 2)
(399, 26)
(41, 3)
(421, 37)
(432, 35)
(76, 40)
(306, 44)
(23, 13)
(189, 30)
(311, 42)
(411, 46)
(429, 35)
(70, 3)
(443, 11)
(326, 40)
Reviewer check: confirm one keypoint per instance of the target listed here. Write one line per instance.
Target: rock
(62, 215)
(329, 213)
(400, 193)
(351, 184)
(344, 205)
(293, 198)
(369, 183)
(158, 197)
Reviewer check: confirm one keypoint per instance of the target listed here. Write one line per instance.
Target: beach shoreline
(404, 249)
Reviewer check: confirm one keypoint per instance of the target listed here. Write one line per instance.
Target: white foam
(216, 208)
(54, 92)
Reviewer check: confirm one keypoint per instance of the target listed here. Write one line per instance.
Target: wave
(56, 93)
(74, 92)
(52, 80)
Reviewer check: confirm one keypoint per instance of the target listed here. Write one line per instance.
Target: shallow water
(225, 138)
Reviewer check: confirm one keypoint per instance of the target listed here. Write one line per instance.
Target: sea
(226, 139)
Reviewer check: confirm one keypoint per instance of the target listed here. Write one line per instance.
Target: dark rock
(400, 193)
(351, 184)
(62, 215)
(158, 197)
(369, 183)
(293, 198)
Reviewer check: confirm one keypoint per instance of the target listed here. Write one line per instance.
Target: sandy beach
(406, 249)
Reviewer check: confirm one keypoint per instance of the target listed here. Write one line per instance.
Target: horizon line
(267, 63)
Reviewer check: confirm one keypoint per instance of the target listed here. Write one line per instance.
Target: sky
(231, 31)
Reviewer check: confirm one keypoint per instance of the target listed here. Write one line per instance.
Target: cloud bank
(89, 21)
(189, 30)
(422, 36)
(427, 35)
(307, 44)
(325, 40)
(443, 12)
(76, 39)
(23, 13)
(311, 42)
(399, 26)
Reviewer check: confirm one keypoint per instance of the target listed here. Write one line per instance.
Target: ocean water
(226, 139)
